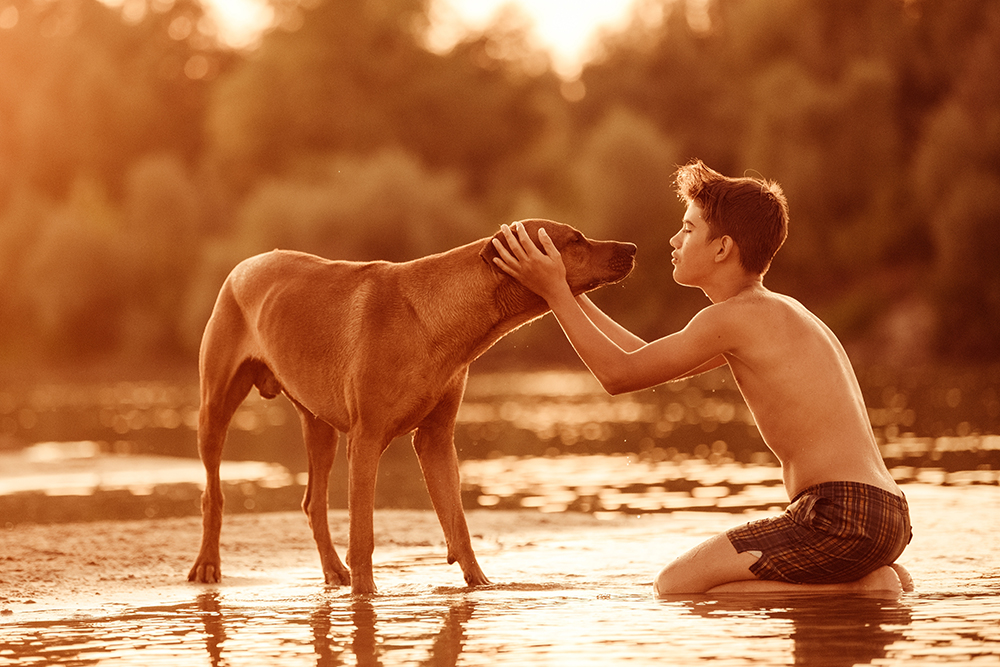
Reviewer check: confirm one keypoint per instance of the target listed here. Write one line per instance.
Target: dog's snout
(623, 259)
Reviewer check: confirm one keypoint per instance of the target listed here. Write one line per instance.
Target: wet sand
(88, 565)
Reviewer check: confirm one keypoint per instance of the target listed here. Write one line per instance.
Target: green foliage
(624, 174)
(69, 289)
(82, 92)
(356, 78)
(841, 178)
(387, 206)
(140, 161)
(957, 176)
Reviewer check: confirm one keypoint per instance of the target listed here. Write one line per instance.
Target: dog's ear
(489, 252)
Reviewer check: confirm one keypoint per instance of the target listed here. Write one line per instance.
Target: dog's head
(589, 264)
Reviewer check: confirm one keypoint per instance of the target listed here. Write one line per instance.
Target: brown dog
(375, 350)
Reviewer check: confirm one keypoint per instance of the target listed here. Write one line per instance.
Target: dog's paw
(363, 586)
(475, 577)
(338, 577)
(205, 573)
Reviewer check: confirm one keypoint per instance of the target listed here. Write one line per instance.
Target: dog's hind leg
(221, 395)
(434, 444)
(321, 446)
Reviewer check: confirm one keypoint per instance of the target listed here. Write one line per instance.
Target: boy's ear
(727, 247)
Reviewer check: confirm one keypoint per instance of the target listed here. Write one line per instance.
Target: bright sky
(564, 27)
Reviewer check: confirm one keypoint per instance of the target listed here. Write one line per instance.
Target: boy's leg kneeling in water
(884, 580)
(836, 536)
(715, 566)
(712, 563)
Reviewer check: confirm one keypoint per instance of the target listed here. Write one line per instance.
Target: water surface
(568, 590)
(575, 500)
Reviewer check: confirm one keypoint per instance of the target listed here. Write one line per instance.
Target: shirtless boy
(848, 521)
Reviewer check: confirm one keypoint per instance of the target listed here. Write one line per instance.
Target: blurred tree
(161, 234)
(356, 77)
(624, 173)
(672, 74)
(71, 288)
(841, 177)
(20, 233)
(82, 91)
(957, 178)
(387, 206)
(87, 90)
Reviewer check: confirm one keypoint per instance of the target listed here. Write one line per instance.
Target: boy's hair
(751, 211)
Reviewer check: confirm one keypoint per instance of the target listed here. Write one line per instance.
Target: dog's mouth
(617, 265)
(623, 261)
(622, 266)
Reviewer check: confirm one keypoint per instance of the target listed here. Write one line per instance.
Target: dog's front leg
(435, 447)
(363, 455)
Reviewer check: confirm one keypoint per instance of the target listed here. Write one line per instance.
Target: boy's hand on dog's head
(541, 271)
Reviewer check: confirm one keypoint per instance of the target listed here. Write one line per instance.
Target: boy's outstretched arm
(622, 337)
(628, 341)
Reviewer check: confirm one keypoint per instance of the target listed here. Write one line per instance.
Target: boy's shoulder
(761, 300)
(757, 311)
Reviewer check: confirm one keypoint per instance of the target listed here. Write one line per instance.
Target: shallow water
(548, 440)
(576, 500)
(566, 592)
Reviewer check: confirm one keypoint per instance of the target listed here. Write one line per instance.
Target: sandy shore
(93, 564)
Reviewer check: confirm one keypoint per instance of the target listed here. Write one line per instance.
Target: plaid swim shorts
(831, 533)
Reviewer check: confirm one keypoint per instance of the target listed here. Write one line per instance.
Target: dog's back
(344, 337)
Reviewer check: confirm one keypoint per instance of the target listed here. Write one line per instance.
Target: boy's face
(694, 252)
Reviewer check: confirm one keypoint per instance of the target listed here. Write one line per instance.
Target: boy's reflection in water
(826, 631)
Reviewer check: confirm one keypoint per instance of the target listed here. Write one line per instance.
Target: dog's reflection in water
(342, 630)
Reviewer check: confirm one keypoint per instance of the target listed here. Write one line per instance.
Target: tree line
(140, 159)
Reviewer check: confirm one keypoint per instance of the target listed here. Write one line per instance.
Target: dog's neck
(511, 306)
(478, 299)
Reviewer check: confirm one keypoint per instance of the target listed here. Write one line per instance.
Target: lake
(575, 499)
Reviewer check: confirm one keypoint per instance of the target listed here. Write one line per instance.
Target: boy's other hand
(542, 272)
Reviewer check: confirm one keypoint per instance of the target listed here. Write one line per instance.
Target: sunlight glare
(241, 22)
(566, 28)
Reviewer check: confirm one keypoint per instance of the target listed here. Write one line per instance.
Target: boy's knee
(656, 587)
(664, 583)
